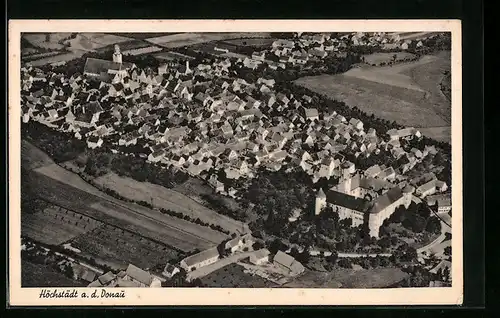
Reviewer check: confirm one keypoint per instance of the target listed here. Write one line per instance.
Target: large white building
(363, 200)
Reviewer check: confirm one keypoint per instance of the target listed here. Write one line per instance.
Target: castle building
(364, 200)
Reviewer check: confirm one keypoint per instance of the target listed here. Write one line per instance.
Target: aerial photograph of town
(236, 160)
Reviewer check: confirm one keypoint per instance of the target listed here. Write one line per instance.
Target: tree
(433, 225)
(68, 271)
(345, 263)
(257, 245)
(384, 242)
(446, 274)
(447, 251)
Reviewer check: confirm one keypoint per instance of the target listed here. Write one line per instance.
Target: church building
(106, 70)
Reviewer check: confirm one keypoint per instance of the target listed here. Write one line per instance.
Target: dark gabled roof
(93, 107)
(386, 199)
(84, 117)
(347, 201)
(98, 66)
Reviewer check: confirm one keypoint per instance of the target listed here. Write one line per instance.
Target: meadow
(168, 199)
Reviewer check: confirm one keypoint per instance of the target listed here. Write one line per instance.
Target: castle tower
(117, 55)
(320, 202)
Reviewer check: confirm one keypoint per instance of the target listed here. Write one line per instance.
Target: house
(283, 43)
(234, 244)
(295, 215)
(288, 264)
(259, 56)
(201, 259)
(156, 156)
(426, 189)
(387, 174)
(107, 278)
(94, 142)
(317, 53)
(311, 114)
(170, 270)
(373, 171)
(444, 204)
(137, 275)
(260, 257)
(356, 123)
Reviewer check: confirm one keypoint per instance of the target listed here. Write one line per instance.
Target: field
(65, 57)
(142, 50)
(130, 44)
(55, 225)
(32, 157)
(93, 41)
(118, 248)
(142, 35)
(437, 133)
(38, 40)
(258, 42)
(407, 93)
(170, 56)
(377, 58)
(66, 189)
(233, 275)
(349, 278)
(38, 275)
(416, 35)
(166, 198)
(187, 39)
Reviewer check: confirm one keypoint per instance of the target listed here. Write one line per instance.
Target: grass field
(130, 44)
(55, 226)
(233, 275)
(381, 57)
(349, 278)
(32, 157)
(38, 40)
(143, 35)
(258, 42)
(74, 54)
(38, 275)
(407, 93)
(187, 39)
(117, 247)
(93, 41)
(66, 189)
(438, 133)
(170, 56)
(167, 199)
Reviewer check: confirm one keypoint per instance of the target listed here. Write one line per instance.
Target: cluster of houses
(133, 276)
(261, 257)
(201, 121)
(315, 47)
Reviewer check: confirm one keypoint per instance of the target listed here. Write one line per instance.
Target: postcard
(235, 162)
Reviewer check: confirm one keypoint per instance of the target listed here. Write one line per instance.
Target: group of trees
(58, 145)
(99, 162)
(218, 205)
(417, 218)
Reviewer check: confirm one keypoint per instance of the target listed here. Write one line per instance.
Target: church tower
(320, 202)
(117, 55)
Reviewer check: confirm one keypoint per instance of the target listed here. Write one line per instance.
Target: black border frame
(470, 12)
